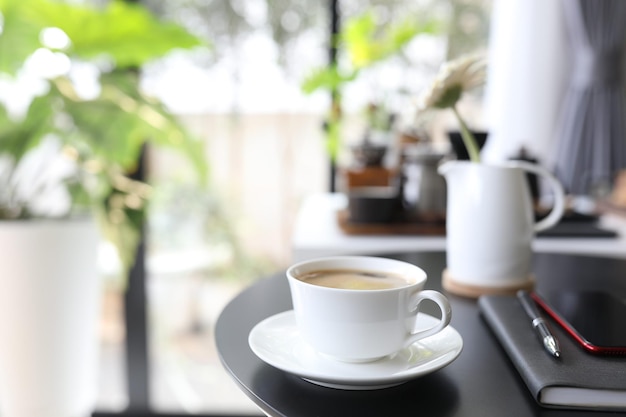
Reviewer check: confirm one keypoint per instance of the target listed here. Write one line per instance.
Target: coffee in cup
(355, 279)
(361, 308)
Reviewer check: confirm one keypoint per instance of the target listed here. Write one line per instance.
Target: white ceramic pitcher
(490, 223)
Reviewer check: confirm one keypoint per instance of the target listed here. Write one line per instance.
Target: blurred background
(267, 147)
(266, 152)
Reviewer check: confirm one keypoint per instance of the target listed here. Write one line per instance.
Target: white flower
(454, 78)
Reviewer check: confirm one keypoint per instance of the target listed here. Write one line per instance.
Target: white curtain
(526, 78)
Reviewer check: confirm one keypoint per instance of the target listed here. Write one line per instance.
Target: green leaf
(157, 124)
(367, 44)
(328, 78)
(357, 35)
(19, 34)
(124, 32)
(18, 137)
(116, 125)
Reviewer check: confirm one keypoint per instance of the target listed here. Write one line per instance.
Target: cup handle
(558, 208)
(446, 314)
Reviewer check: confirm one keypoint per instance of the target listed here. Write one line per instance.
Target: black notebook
(575, 380)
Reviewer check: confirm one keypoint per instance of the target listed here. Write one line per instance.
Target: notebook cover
(575, 380)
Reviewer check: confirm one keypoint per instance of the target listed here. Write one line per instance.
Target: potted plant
(67, 144)
(489, 219)
(361, 45)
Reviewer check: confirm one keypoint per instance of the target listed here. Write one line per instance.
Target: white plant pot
(49, 310)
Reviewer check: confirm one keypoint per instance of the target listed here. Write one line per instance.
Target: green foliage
(124, 32)
(366, 44)
(17, 138)
(104, 135)
(363, 43)
(20, 34)
(326, 77)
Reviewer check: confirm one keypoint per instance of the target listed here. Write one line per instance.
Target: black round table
(482, 381)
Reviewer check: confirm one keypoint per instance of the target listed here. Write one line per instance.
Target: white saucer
(277, 341)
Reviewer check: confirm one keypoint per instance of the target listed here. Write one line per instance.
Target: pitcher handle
(558, 207)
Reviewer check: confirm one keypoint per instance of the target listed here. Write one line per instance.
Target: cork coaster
(475, 291)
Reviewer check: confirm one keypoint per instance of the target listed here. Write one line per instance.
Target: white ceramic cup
(361, 325)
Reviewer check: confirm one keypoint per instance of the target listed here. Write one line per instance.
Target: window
(265, 146)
